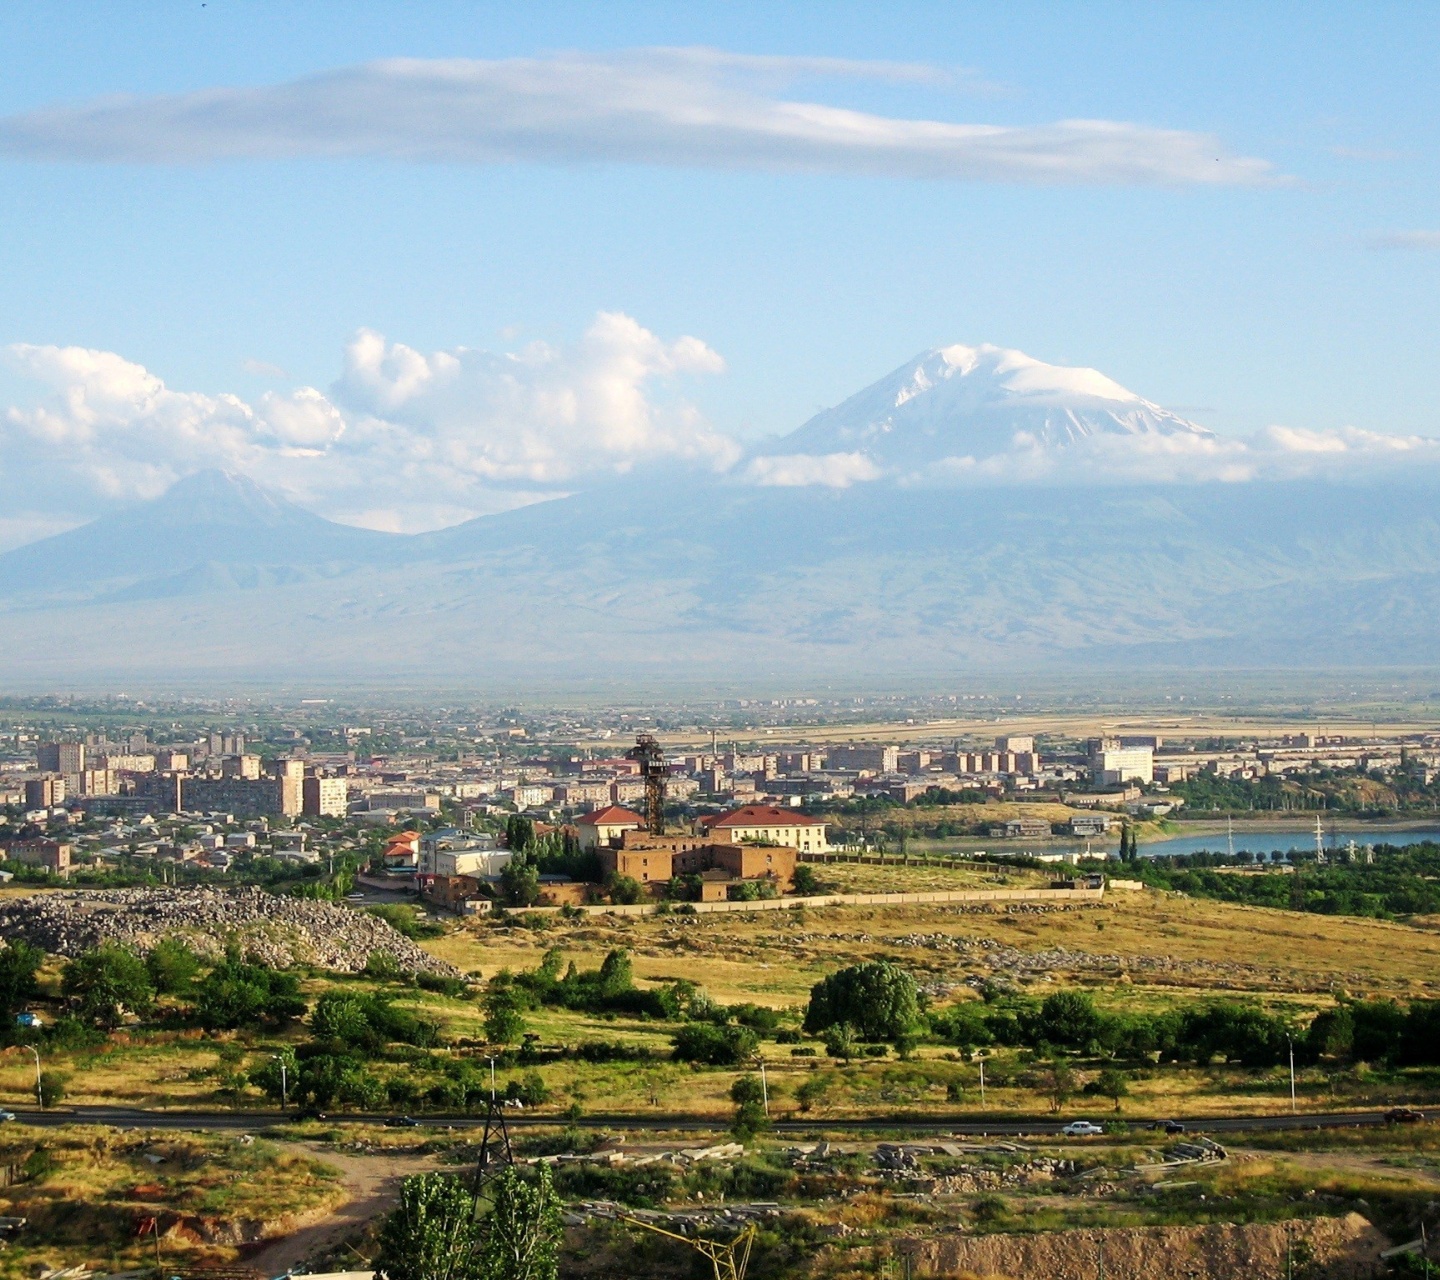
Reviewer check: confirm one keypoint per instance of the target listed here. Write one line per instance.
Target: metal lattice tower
(654, 770)
(729, 1261)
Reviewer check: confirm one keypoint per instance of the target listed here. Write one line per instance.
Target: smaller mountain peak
(227, 496)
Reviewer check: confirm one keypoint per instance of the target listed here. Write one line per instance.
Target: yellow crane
(728, 1260)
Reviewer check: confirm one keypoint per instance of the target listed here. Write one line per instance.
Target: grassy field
(1136, 952)
(88, 1194)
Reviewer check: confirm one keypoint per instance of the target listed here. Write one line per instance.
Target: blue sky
(1300, 293)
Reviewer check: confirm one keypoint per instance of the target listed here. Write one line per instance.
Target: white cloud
(541, 416)
(263, 369)
(797, 470)
(680, 107)
(1276, 453)
(1406, 240)
(403, 440)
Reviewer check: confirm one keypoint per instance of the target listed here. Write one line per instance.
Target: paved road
(133, 1118)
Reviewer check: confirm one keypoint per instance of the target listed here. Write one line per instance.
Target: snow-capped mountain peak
(961, 401)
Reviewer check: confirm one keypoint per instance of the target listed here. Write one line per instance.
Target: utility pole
(284, 1090)
(764, 1087)
(982, 1081)
(1291, 1043)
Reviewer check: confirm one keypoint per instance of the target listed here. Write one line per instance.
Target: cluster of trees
(1354, 1031)
(554, 853)
(1377, 1031)
(609, 989)
(1403, 880)
(108, 983)
(1349, 791)
(435, 1234)
(348, 1031)
(715, 1034)
(1069, 1020)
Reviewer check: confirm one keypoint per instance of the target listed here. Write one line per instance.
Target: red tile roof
(760, 815)
(612, 815)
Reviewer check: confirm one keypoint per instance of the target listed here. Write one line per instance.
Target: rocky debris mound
(276, 930)
(1345, 1248)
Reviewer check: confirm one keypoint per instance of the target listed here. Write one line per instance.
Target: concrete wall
(1052, 896)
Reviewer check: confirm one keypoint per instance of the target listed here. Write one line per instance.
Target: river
(1282, 841)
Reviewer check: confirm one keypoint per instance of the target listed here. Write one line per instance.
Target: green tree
(1110, 1083)
(519, 832)
(617, 974)
(624, 890)
(748, 1095)
(1059, 1083)
(19, 962)
(431, 1234)
(172, 966)
(1069, 1018)
(807, 883)
(878, 998)
(504, 1014)
(236, 994)
(521, 1238)
(107, 983)
(520, 881)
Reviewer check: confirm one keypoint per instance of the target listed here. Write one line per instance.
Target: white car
(1081, 1129)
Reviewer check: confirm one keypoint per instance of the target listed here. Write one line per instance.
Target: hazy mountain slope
(681, 576)
(211, 531)
(876, 583)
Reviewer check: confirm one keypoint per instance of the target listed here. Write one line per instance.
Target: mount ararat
(970, 510)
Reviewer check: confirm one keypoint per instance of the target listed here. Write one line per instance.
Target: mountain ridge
(667, 574)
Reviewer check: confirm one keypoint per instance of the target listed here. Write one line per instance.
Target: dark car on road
(1403, 1115)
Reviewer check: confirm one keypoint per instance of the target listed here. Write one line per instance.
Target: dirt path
(1367, 1164)
(372, 1183)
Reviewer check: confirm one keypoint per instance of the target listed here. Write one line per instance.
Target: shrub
(455, 988)
(531, 1091)
(54, 1086)
(807, 883)
(704, 1042)
(812, 1091)
(840, 1041)
(382, 966)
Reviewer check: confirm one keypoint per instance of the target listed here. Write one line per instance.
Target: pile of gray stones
(269, 928)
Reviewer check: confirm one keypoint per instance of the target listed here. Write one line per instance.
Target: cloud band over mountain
(697, 108)
(406, 441)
